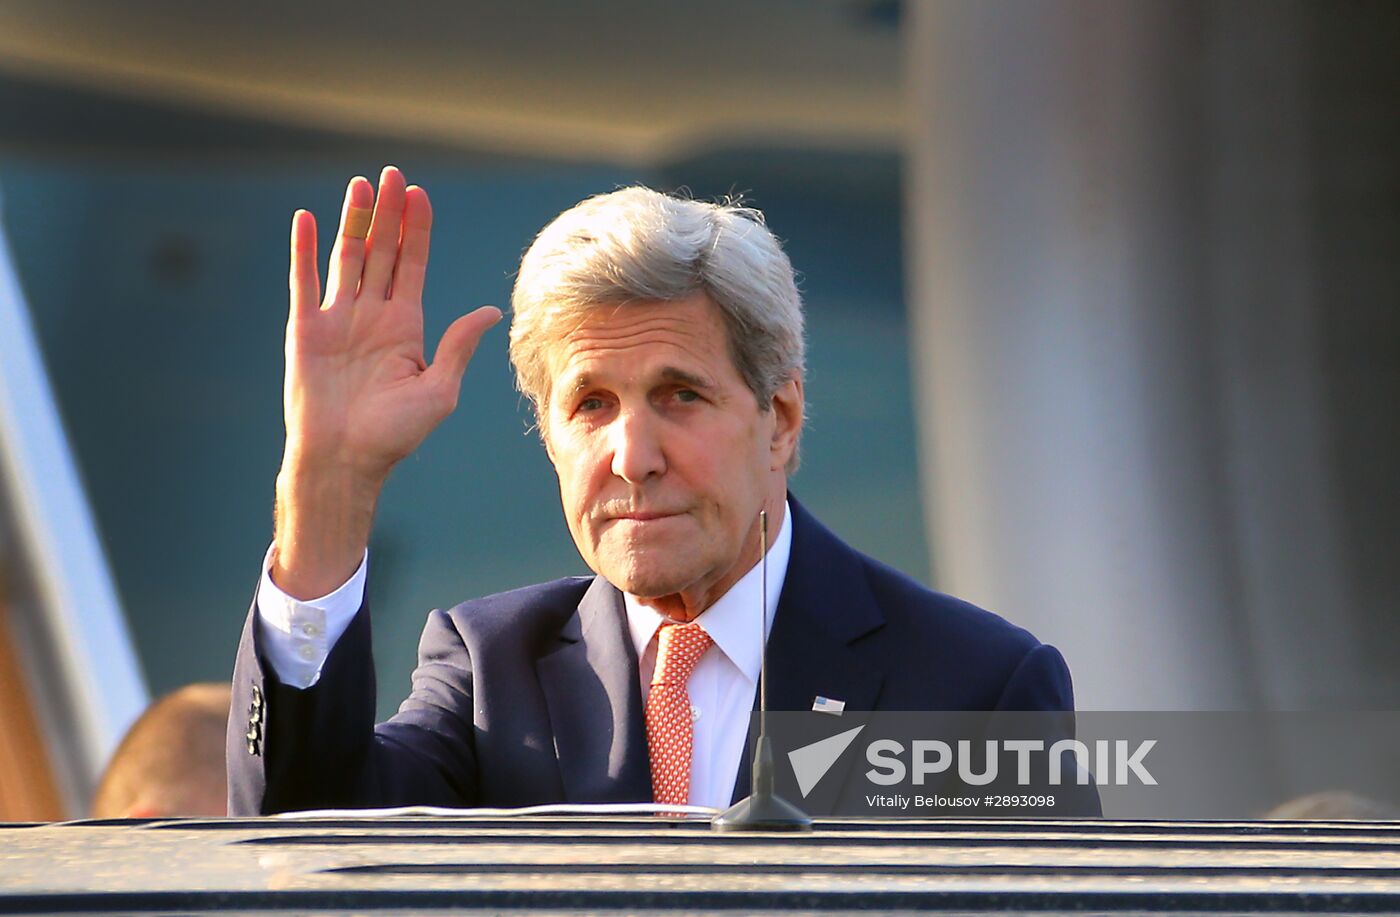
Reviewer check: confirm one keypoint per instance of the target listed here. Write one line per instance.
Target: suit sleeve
(293, 749)
(1041, 684)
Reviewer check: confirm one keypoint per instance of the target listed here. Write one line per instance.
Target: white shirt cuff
(296, 635)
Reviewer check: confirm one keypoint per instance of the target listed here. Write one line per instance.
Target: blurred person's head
(1334, 805)
(171, 761)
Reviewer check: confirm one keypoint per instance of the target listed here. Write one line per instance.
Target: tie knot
(678, 650)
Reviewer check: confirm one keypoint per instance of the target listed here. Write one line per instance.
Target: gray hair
(637, 244)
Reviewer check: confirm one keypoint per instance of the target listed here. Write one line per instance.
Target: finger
(413, 245)
(458, 344)
(348, 254)
(384, 230)
(304, 280)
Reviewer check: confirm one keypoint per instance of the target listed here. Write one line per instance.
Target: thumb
(458, 344)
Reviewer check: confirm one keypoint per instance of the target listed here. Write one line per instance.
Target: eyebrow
(668, 374)
(672, 374)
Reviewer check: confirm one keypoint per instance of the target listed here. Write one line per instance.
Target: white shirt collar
(730, 620)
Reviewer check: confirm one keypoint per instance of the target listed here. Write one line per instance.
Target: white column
(1070, 437)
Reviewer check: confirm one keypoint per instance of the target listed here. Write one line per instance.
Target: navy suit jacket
(533, 696)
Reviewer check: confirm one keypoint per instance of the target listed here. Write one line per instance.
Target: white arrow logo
(811, 762)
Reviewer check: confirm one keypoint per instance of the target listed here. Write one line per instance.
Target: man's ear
(788, 407)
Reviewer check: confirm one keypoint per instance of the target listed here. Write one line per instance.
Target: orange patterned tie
(669, 730)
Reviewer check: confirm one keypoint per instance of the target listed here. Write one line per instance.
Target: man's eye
(687, 396)
(590, 404)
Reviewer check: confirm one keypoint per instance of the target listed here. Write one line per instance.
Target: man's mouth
(643, 517)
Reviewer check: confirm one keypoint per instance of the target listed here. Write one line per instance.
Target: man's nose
(636, 447)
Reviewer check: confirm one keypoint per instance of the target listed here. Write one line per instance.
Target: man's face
(663, 455)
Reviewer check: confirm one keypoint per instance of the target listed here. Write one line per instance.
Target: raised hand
(358, 395)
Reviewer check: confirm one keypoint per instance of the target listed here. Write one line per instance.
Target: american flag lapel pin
(828, 705)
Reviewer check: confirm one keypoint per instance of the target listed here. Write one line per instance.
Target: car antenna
(762, 809)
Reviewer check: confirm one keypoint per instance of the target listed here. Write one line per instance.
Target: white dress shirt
(723, 683)
(297, 636)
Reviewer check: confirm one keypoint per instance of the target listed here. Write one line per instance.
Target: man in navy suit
(660, 341)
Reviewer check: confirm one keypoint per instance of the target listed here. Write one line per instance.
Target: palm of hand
(358, 393)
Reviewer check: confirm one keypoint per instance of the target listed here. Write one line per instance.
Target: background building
(1101, 295)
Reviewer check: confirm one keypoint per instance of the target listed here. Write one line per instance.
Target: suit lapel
(592, 690)
(814, 649)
